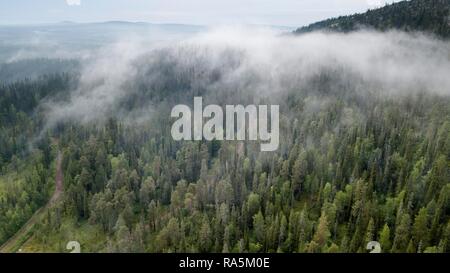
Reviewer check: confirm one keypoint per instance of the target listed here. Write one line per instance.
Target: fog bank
(255, 63)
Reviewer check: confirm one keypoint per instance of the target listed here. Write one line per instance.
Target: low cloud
(73, 2)
(257, 62)
(375, 3)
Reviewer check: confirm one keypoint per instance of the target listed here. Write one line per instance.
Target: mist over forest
(246, 65)
(364, 149)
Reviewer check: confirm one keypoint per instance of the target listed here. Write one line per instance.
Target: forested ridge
(26, 175)
(428, 16)
(332, 191)
(360, 159)
(346, 174)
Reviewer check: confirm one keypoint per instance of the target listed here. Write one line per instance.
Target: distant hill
(432, 16)
(72, 40)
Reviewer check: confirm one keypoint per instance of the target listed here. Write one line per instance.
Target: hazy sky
(203, 12)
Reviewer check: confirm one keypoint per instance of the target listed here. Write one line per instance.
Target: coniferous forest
(364, 150)
(429, 15)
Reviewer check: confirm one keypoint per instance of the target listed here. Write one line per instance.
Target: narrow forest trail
(26, 231)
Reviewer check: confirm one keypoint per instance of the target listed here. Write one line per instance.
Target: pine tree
(205, 236)
(322, 233)
(385, 238)
(259, 227)
(402, 232)
(420, 230)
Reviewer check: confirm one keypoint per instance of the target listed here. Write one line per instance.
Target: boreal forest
(364, 150)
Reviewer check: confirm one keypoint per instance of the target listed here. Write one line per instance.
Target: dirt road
(17, 240)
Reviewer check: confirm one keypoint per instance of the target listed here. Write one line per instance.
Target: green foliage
(21, 194)
(352, 167)
(416, 15)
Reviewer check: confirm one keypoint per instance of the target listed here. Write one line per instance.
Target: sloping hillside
(431, 16)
